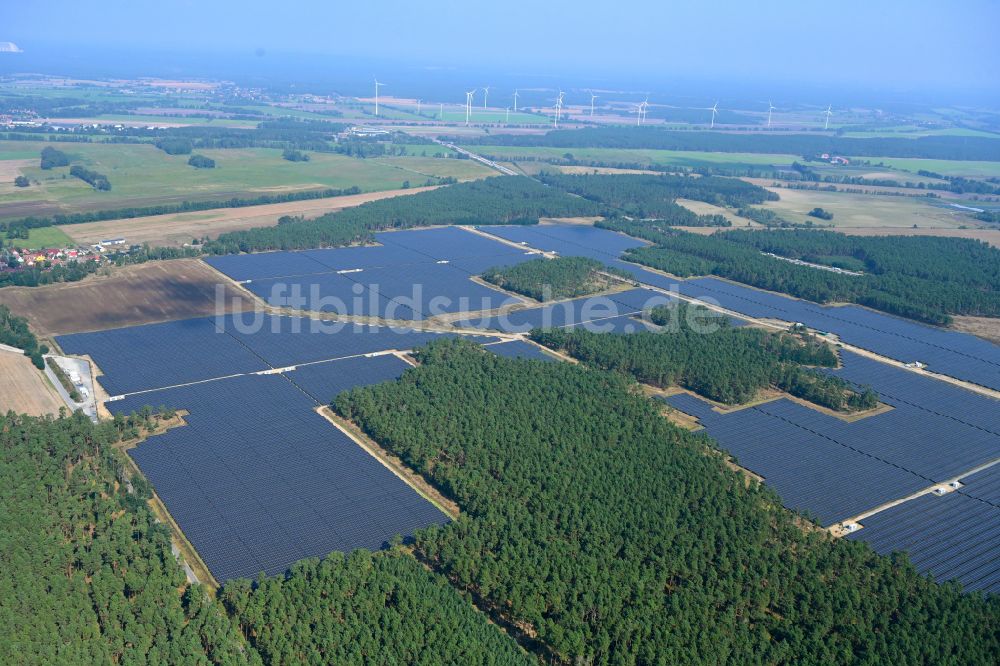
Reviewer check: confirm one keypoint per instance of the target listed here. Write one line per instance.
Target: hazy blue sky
(915, 44)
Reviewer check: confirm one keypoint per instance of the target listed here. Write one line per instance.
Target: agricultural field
(150, 292)
(966, 168)
(26, 389)
(861, 210)
(181, 228)
(141, 175)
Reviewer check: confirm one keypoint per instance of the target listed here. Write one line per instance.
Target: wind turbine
(714, 109)
(515, 101)
(508, 115)
(592, 98)
(770, 108)
(828, 113)
(555, 118)
(377, 84)
(468, 105)
(418, 107)
(486, 93)
(441, 111)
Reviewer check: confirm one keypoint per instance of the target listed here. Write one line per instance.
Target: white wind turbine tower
(377, 84)
(770, 108)
(714, 109)
(418, 107)
(592, 98)
(828, 113)
(440, 110)
(486, 93)
(559, 101)
(508, 115)
(468, 105)
(515, 101)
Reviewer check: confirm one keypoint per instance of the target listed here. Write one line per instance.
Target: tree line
(88, 573)
(701, 351)
(613, 537)
(502, 200)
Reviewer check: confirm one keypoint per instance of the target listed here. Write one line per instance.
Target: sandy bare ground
(987, 328)
(152, 292)
(991, 236)
(25, 389)
(11, 169)
(180, 228)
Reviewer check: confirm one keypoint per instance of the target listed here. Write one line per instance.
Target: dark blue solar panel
(570, 240)
(155, 355)
(257, 480)
(951, 537)
(265, 265)
(446, 243)
(578, 311)
(323, 381)
(810, 471)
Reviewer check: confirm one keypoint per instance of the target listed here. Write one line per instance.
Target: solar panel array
(811, 472)
(410, 275)
(609, 313)
(256, 480)
(325, 380)
(948, 352)
(934, 433)
(951, 537)
(142, 358)
(519, 349)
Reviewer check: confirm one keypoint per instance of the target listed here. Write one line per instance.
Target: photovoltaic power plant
(257, 480)
(954, 536)
(410, 275)
(948, 352)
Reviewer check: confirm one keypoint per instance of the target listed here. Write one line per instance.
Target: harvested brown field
(152, 292)
(180, 228)
(987, 328)
(26, 390)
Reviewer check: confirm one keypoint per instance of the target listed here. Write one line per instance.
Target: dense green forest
(652, 138)
(382, 608)
(553, 279)
(87, 575)
(920, 277)
(53, 157)
(649, 196)
(499, 200)
(608, 533)
(707, 355)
